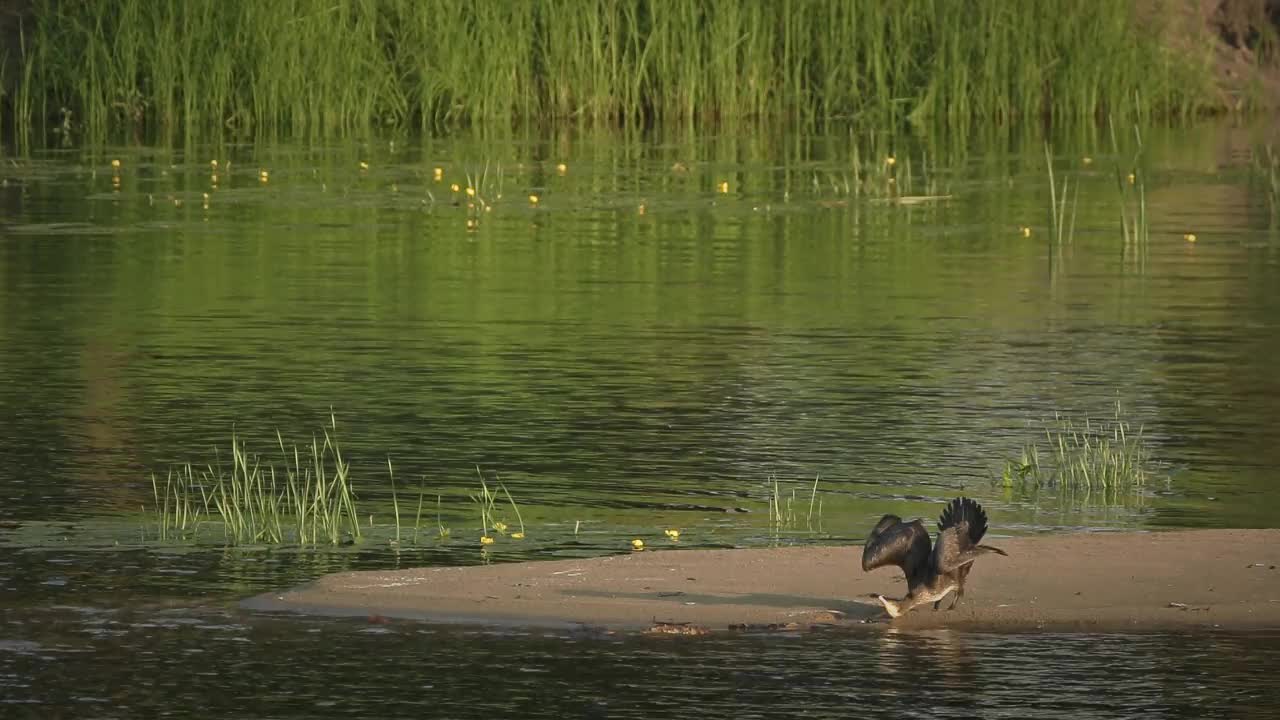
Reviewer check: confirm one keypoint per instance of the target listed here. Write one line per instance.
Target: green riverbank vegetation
(319, 67)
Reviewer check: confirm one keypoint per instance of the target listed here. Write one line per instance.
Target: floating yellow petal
(673, 534)
(1026, 231)
(1189, 237)
(1132, 178)
(517, 536)
(500, 527)
(264, 176)
(364, 165)
(723, 186)
(471, 192)
(115, 164)
(891, 161)
(486, 540)
(533, 199)
(637, 544)
(454, 187)
(562, 168)
(1086, 160)
(439, 173)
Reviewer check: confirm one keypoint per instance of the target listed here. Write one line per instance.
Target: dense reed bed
(326, 67)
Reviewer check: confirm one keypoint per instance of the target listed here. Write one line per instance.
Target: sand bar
(1083, 581)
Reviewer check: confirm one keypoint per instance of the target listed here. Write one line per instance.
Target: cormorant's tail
(965, 510)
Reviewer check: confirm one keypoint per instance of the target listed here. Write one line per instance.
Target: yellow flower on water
(517, 536)
(533, 199)
(1189, 237)
(115, 164)
(500, 527)
(364, 165)
(473, 224)
(641, 209)
(206, 200)
(471, 192)
(439, 173)
(1132, 178)
(213, 164)
(562, 168)
(723, 186)
(891, 161)
(1026, 231)
(637, 544)
(673, 534)
(1086, 160)
(454, 187)
(486, 540)
(264, 176)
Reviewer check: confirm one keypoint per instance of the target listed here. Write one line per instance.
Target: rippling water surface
(119, 663)
(675, 324)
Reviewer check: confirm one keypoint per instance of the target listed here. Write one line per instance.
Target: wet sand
(1085, 581)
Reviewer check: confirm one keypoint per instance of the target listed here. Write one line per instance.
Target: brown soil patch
(1088, 581)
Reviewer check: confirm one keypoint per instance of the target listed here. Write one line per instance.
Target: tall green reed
(1133, 194)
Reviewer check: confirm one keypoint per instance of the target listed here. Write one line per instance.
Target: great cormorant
(931, 572)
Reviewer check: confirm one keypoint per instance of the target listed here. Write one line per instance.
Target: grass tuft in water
(487, 502)
(783, 507)
(313, 503)
(1088, 455)
(179, 512)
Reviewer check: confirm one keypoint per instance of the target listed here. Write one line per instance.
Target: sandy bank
(1226, 578)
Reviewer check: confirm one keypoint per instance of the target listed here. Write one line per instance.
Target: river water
(676, 324)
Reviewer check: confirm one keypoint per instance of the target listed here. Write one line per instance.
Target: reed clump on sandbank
(318, 67)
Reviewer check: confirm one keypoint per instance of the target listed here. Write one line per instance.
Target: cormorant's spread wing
(894, 542)
(966, 512)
